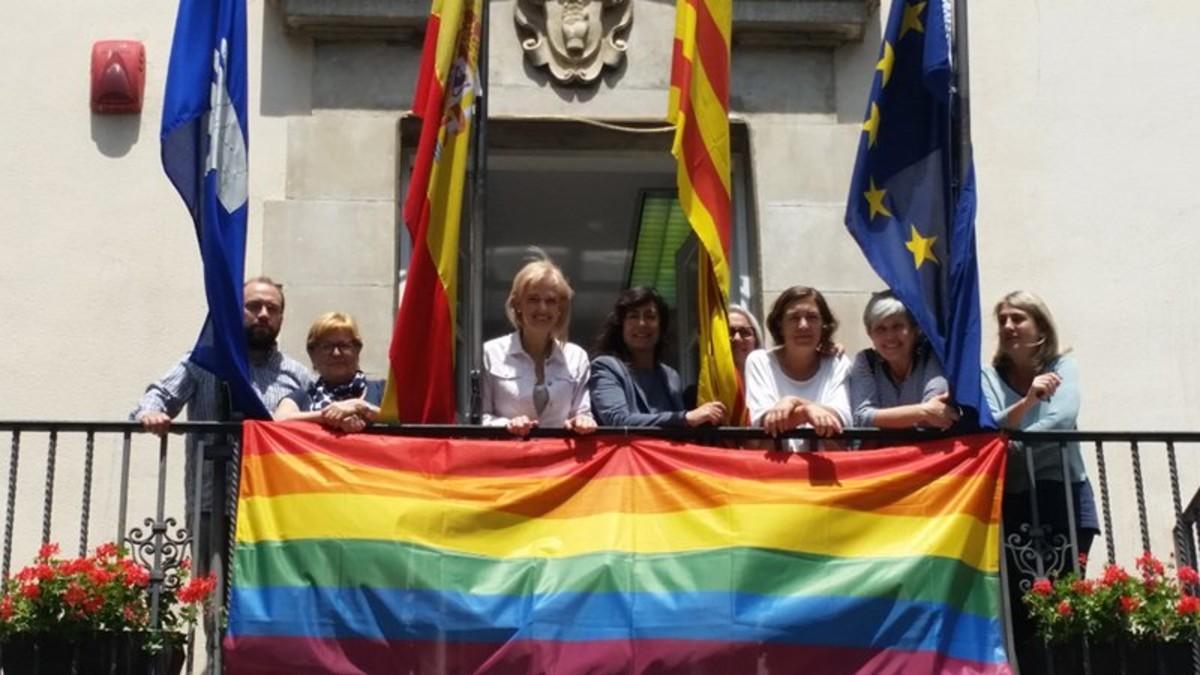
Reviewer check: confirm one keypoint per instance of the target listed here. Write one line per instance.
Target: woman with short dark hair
(630, 385)
(802, 381)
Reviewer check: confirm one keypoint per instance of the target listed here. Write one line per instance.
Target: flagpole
(474, 313)
(962, 84)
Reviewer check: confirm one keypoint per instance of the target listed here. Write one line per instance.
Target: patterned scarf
(320, 394)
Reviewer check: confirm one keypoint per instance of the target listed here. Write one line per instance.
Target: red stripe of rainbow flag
(375, 554)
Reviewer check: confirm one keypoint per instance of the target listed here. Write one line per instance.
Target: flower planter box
(100, 654)
(1120, 658)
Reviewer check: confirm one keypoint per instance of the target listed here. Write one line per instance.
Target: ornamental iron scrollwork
(171, 548)
(574, 39)
(1028, 545)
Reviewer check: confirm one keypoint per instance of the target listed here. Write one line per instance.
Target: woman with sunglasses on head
(342, 397)
(630, 385)
(803, 381)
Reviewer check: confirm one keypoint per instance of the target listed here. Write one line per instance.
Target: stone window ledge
(755, 22)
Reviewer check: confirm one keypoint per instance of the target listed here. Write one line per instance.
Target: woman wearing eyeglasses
(342, 397)
(803, 381)
(745, 335)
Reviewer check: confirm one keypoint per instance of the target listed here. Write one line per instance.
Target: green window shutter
(662, 229)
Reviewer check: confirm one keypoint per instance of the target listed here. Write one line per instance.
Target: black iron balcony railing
(139, 477)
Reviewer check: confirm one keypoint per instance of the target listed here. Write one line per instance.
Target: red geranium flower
(1149, 565)
(31, 591)
(135, 574)
(108, 550)
(6, 608)
(43, 572)
(47, 551)
(198, 589)
(1188, 575)
(74, 595)
(93, 604)
(77, 566)
(1083, 586)
(1064, 608)
(1129, 604)
(100, 576)
(1188, 604)
(1114, 575)
(1043, 587)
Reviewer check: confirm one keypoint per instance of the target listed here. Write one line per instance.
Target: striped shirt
(187, 384)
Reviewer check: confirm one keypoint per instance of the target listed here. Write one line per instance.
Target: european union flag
(204, 154)
(916, 229)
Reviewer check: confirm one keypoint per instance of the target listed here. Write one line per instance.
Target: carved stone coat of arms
(575, 39)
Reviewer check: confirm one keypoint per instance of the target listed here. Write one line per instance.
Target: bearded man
(273, 375)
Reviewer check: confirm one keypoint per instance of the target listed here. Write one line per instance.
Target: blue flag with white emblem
(204, 154)
(914, 224)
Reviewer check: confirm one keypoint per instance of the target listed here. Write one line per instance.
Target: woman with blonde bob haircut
(342, 397)
(533, 376)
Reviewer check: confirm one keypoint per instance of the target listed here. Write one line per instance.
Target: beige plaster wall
(1084, 147)
(100, 280)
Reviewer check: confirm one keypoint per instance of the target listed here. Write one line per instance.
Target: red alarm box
(118, 77)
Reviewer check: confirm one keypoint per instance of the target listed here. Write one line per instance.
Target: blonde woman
(342, 397)
(532, 376)
(1033, 385)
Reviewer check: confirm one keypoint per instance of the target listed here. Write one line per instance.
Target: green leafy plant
(1151, 606)
(106, 592)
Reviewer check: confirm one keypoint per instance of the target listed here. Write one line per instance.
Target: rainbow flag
(371, 554)
(420, 383)
(699, 109)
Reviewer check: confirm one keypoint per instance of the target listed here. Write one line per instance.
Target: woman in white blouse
(802, 381)
(533, 377)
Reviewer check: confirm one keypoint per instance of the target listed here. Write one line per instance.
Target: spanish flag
(699, 109)
(420, 383)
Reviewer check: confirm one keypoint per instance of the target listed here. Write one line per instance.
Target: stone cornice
(755, 22)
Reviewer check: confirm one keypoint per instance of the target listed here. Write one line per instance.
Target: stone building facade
(1082, 126)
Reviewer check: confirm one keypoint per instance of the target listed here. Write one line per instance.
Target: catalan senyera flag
(372, 554)
(699, 109)
(420, 383)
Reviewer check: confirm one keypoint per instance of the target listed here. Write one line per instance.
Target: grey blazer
(618, 401)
